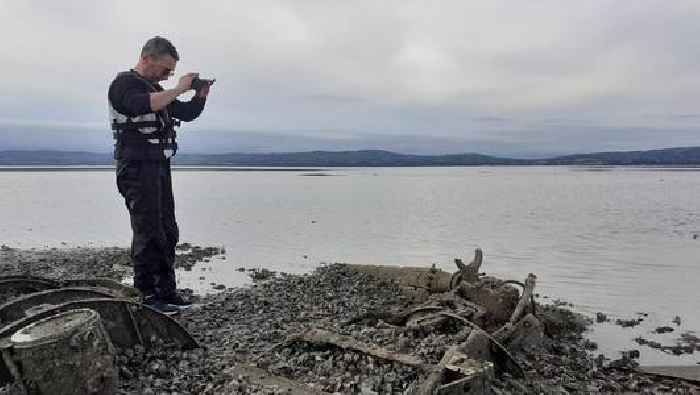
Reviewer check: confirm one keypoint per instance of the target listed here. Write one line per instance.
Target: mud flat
(343, 330)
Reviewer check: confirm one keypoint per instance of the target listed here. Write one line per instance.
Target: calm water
(615, 240)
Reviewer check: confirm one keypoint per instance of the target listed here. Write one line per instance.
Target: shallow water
(616, 240)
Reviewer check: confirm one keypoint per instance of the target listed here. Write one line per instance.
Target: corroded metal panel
(128, 323)
(29, 304)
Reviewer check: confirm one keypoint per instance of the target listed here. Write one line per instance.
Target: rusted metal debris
(64, 354)
(470, 272)
(478, 302)
(431, 279)
(495, 318)
(20, 284)
(321, 336)
(31, 303)
(126, 321)
(468, 361)
(498, 353)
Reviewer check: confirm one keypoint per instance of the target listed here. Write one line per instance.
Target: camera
(198, 83)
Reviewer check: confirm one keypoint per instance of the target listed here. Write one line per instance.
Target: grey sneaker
(178, 302)
(159, 305)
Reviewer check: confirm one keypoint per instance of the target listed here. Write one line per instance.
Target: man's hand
(159, 100)
(204, 92)
(185, 82)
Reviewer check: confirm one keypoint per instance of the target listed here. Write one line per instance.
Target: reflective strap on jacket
(161, 141)
(135, 125)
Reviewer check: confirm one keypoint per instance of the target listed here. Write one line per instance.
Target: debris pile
(348, 328)
(373, 330)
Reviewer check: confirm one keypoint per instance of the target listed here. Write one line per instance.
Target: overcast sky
(515, 77)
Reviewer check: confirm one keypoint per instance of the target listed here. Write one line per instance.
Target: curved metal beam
(17, 285)
(25, 284)
(23, 306)
(501, 353)
(127, 322)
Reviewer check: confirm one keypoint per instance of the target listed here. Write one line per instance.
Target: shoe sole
(179, 307)
(169, 313)
(163, 312)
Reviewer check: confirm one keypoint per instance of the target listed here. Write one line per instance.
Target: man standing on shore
(144, 117)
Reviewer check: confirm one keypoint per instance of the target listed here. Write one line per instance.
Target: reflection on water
(618, 241)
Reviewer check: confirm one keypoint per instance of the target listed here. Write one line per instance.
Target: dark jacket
(129, 99)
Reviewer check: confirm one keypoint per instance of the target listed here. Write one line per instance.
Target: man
(144, 117)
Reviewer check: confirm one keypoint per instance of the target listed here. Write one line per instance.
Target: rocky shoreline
(244, 335)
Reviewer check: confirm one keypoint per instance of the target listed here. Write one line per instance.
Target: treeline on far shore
(681, 156)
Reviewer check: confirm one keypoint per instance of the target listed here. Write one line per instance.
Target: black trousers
(146, 186)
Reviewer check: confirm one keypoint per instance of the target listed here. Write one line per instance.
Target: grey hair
(159, 46)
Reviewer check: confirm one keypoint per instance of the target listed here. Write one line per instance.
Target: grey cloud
(333, 99)
(684, 116)
(490, 119)
(536, 77)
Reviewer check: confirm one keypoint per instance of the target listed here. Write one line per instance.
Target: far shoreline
(103, 168)
(10, 168)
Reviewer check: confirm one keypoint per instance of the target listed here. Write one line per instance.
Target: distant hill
(28, 158)
(666, 156)
(365, 158)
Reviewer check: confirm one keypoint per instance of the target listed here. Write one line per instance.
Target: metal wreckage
(59, 337)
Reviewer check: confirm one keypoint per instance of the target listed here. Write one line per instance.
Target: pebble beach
(243, 333)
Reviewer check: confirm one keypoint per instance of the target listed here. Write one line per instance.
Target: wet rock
(190, 255)
(687, 343)
(626, 323)
(183, 247)
(590, 345)
(125, 373)
(560, 303)
(675, 350)
(663, 329)
(600, 360)
(624, 363)
(261, 274)
(654, 344)
(560, 322)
